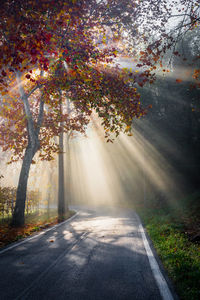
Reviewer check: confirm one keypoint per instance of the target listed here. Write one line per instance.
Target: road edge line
(37, 235)
(159, 278)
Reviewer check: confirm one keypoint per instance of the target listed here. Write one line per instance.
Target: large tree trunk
(18, 215)
(32, 148)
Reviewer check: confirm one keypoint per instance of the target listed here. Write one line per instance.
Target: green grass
(36, 216)
(7, 217)
(41, 216)
(180, 257)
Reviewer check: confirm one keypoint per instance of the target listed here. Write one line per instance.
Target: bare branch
(40, 116)
(33, 90)
(31, 130)
(181, 15)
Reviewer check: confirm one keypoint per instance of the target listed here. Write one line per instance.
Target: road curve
(97, 255)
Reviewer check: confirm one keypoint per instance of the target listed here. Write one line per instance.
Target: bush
(8, 198)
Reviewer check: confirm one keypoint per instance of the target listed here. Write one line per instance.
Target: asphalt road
(93, 256)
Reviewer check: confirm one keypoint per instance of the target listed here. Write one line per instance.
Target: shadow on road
(99, 255)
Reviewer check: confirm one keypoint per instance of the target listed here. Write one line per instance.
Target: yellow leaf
(127, 128)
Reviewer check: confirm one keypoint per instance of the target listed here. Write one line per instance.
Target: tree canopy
(51, 48)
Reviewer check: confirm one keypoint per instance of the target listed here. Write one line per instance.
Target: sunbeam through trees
(99, 108)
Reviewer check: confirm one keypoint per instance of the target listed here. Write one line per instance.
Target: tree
(30, 36)
(38, 38)
(185, 16)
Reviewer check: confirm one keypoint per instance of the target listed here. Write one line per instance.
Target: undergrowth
(179, 255)
(33, 223)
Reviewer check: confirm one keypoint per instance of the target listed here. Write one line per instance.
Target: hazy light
(37, 72)
(114, 174)
(101, 174)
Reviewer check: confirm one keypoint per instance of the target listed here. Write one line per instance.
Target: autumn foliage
(43, 40)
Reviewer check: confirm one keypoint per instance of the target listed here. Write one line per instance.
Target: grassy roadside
(179, 255)
(33, 223)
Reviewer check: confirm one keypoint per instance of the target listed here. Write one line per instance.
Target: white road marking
(160, 280)
(37, 235)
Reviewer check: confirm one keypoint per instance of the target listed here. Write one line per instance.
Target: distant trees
(172, 127)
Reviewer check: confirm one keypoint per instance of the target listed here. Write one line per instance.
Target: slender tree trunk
(61, 189)
(61, 193)
(68, 172)
(68, 165)
(48, 205)
(18, 215)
